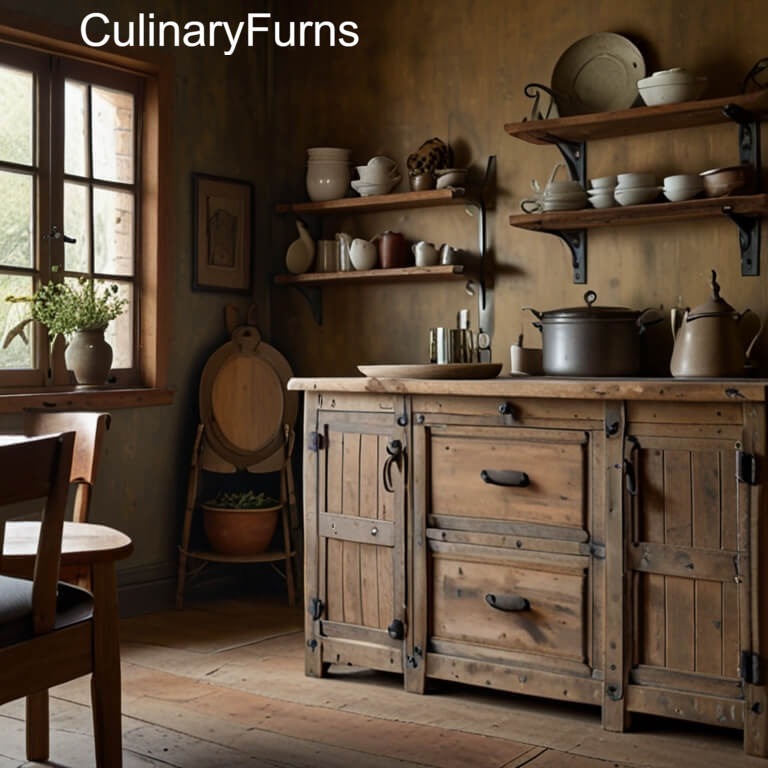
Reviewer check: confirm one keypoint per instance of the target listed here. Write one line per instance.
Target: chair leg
(37, 727)
(105, 683)
(194, 473)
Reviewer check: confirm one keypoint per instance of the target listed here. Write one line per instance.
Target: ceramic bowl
(375, 174)
(671, 86)
(682, 186)
(327, 181)
(635, 195)
(733, 180)
(366, 190)
(604, 200)
(451, 177)
(422, 181)
(603, 182)
(630, 180)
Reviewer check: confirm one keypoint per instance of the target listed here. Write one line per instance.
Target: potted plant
(80, 311)
(240, 523)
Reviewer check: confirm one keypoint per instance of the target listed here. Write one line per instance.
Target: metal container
(593, 341)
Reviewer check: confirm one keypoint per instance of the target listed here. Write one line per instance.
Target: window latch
(54, 234)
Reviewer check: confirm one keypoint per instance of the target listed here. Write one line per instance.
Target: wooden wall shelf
(651, 213)
(606, 125)
(396, 201)
(406, 274)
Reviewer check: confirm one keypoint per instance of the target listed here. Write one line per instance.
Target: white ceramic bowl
(367, 190)
(671, 86)
(635, 195)
(375, 174)
(629, 180)
(603, 182)
(678, 194)
(451, 177)
(682, 186)
(605, 200)
(327, 181)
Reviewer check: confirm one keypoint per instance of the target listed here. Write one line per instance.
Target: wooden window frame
(155, 237)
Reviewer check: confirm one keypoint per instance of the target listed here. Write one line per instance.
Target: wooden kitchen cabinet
(579, 540)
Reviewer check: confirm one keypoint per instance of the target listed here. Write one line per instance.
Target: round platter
(598, 73)
(432, 371)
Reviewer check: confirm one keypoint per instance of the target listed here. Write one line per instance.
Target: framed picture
(223, 233)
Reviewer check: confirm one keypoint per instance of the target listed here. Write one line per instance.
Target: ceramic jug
(709, 342)
(301, 252)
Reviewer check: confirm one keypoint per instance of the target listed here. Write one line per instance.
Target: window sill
(87, 399)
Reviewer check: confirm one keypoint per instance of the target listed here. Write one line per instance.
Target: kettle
(708, 342)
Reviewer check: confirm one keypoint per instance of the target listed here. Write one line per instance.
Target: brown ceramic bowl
(422, 181)
(733, 180)
(239, 531)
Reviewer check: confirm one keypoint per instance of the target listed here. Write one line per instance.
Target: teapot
(708, 342)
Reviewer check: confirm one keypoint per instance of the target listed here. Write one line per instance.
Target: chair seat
(73, 605)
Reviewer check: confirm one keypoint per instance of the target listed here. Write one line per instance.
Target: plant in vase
(80, 311)
(240, 523)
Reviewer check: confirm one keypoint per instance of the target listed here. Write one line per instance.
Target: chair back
(89, 428)
(38, 468)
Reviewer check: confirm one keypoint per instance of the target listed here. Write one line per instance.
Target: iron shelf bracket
(749, 135)
(314, 297)
(749, 240)
(576, 240)
(575, 155)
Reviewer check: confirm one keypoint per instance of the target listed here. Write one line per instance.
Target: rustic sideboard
(598, 541)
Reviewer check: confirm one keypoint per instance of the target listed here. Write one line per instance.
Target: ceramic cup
(425, 254)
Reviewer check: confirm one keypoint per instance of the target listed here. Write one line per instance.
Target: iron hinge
(750, 667)
(315, 442)
(746, 468)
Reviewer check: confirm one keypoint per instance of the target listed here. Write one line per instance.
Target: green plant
(68, 307)
(244, 500)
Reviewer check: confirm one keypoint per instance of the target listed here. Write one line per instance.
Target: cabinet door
(357, 583)
(687, 559)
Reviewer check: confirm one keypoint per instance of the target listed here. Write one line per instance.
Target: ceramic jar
(393, 250)
(89, 357)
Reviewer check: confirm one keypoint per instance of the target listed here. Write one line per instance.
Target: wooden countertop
(680, 390)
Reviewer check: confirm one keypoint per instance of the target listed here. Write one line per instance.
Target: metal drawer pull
(509, 478)
(508, 603)
(396, 630)
(394, 452)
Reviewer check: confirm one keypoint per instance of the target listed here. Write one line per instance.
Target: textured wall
(218, 128)
(456, 69)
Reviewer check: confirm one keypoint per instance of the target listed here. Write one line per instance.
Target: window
(70, 200)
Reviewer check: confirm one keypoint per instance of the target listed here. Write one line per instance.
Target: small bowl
(451, 177)
(678, 194)
(606, 200)
(671, 86)
(733, 180)
(422, 181)
(603, 182)
(630, 180)
(636, 195)
(367, 190)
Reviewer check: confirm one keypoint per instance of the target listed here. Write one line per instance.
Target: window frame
(156, 245)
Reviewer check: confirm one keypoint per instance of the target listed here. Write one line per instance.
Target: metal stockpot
(593, 341)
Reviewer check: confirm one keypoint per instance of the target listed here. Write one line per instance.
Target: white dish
(598, 73)
(603, 182)
(603, 201)
(451, 177)
(671, 86)
(367, 190)
(637, 180)
(636, 195)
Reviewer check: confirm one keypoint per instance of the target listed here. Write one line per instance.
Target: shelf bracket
(749, 240)
(575, 155)
(314, 297)
(749, 135)
(576, 240)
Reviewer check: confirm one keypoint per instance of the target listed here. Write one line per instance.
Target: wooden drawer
(553, 461)
(467, 580)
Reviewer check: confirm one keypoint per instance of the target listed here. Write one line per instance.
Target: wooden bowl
(239, 531)
(734, 180)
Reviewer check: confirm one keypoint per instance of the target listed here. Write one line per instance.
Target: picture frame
(222, 216)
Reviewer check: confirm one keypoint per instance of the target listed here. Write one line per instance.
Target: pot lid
(590, 312)
(716, 305)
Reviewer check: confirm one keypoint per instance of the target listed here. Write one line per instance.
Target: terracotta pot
(239, 531)
(89, 357)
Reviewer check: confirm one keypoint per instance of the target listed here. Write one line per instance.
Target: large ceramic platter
(598, 73)
(432, 371)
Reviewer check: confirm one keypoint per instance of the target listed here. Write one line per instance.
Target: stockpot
(593, 341)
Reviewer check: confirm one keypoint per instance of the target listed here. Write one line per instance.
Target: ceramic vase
(89, 357)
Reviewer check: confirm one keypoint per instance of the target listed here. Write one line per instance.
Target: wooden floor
(222, 684)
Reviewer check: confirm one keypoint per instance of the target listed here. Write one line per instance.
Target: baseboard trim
(146, 589)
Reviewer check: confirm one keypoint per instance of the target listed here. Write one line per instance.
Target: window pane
(112, 128)
(119, 332)
(16, 219)
(76, 224)
(20, 352)
(113, 231)
(17, 89)
(76, 153)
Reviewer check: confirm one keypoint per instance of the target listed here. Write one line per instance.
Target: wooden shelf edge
(86, 399)
(443, 272)
(636, 120)
(650, 213)
(425, 199)
(263, 557)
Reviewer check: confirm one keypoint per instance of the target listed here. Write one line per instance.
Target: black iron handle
(394, 452)
(508, 478)
(56, 234)
(508, 603)
(396, 630)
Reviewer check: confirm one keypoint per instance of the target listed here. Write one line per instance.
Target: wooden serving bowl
(734, 180)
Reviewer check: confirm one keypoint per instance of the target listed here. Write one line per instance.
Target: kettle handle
(649, 316)
(757, 335)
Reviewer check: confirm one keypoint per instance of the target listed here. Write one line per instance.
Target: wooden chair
(52, 632)
(89, 428)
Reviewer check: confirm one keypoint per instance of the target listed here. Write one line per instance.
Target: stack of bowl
(636, 188)
(682, 186)
(327, 173)
(378, 176)
(601, 192)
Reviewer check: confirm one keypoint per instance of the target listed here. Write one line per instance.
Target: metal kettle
(708, 341)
